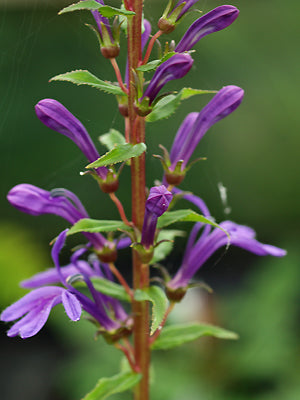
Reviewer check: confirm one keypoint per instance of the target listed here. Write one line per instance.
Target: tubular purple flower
(35, 201)
(214, 21)
(200, 250)
(175, 67)
(157, 203)
(57, 117)
(195, 125)
(102, 20)
(109, 38)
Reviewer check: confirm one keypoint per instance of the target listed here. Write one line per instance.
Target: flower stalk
(138, 184)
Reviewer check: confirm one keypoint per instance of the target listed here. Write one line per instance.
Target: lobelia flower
(170, 17)
(36, 201)
(214, 21)
(109, 41)
(194, 127)
(157, 204)
(199, 250)
(175, 67)
(34, 308)
(55, 116)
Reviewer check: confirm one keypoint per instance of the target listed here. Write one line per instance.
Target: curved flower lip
(195, 126)
(57, 117)
(36, 201)
(175, 67)
(214, 21)
(37, 306)
(199, 252)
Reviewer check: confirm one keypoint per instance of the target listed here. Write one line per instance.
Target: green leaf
(112, 138)
(159, 301)
(170, 217)
(110, 288)
(163, 249)
(95, 225)
(116, 384)
(150, 66)
(84, 77)
(176, 335)
(165, 107)
(119, 154)
(106, 11)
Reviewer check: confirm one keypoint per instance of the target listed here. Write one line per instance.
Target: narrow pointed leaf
(165, 248)
(116, 384)
(169, 104)
(151, 66)
(170, 217)
(95, 225)
(112, 138)
(176, 335)
(84, 77)
(105, 10)
(119, 154)
(159, 301)
(110, 288)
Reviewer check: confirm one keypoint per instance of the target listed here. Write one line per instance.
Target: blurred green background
(254, 153)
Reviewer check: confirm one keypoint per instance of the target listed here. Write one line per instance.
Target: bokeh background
(254, 153)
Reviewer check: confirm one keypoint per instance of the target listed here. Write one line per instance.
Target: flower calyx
(176, 295)
(108, 253)
(145, 253)
(115, 335)
(167, 22)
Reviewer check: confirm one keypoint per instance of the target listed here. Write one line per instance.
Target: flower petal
(71, 305)
(30, 301)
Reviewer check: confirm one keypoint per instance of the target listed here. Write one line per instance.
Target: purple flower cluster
(200, 249)
(33, 309)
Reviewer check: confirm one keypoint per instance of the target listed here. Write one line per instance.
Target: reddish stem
(150, 46)
(127, 129)
(121, 279)
(133, 366)
(118, 75)
(120, 208)
(138, 184)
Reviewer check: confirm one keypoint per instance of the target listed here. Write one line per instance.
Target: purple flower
(34, 308)
(175, 67)
(199, 250)
(214, 21)
(109, 42)
(55, 116)
(195, 125)
(157, 203)
(35, 201)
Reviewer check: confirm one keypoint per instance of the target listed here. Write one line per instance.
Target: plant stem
(138, 184)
